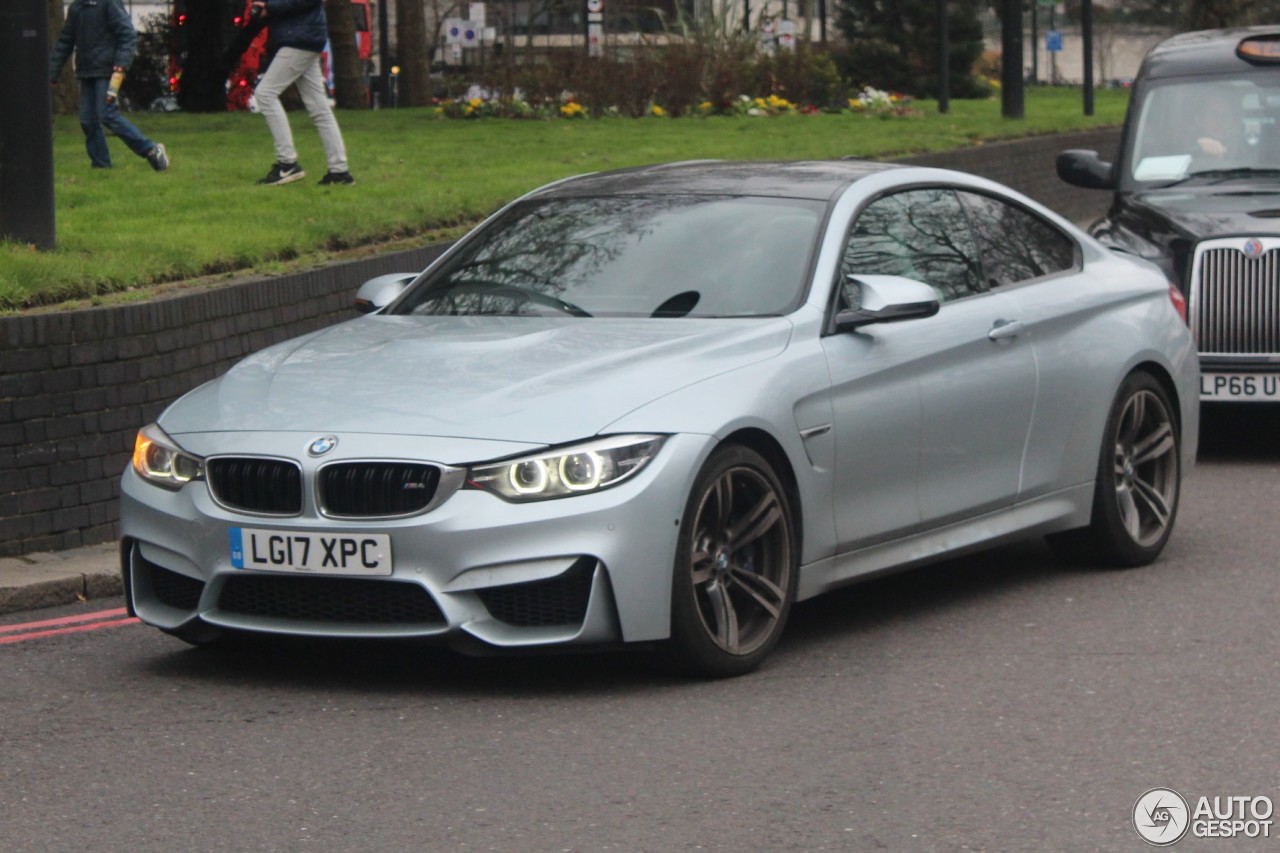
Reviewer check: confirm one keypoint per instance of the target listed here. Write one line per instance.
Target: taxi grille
(556, 601)
(269, 486)
(1236, 303)
(370, 489)
(330, 600)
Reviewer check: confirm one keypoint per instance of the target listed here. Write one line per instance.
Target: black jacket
(102, 36)
(297, 23)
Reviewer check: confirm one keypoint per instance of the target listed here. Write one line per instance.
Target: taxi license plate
(312, 553)
(1240, 386)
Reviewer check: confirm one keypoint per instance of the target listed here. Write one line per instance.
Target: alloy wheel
(741, 560)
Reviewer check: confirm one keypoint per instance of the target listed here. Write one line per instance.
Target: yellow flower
(475, 103)
(658, 111)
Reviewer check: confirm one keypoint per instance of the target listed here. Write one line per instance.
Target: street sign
(1053, 41)
(787, 35)
(453, 30)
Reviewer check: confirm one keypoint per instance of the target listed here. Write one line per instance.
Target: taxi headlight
(158, 459)
(566, 471)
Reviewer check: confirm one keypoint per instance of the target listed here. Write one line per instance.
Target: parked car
(658, 406)
(1197, 191)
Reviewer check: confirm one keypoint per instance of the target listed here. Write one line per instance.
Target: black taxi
(1197, 191)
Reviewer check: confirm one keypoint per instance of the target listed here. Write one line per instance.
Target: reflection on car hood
(541, 380)
(1203, 213)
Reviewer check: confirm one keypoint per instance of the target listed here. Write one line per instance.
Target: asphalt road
(1002, 702)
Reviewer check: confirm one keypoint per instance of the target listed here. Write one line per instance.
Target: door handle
(1005, 329)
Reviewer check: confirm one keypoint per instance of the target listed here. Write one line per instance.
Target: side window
(1016, 245)
(920, 234)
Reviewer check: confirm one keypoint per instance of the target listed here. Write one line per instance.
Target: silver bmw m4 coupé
(658, 406)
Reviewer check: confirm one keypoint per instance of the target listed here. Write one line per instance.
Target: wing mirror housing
(884, 299)
(1086, 169)
(377, 293)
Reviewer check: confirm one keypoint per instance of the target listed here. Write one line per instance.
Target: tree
(348, 75)
(411, 53)
(1212, 14)
(64, 94)
(204, 73)
(894, 45)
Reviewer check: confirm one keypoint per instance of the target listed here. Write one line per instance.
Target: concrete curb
(35, 581)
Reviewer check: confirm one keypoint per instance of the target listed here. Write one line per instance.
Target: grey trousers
(291, 65)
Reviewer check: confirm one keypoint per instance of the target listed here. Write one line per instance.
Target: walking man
(101, 34)
(296, 34)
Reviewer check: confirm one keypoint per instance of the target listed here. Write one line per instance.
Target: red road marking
(65, 625)
(64, 620)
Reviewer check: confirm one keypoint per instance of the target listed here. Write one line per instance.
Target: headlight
(567, 471)
(157, 459)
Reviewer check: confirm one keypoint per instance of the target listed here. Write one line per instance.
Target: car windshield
(629, 256)
(1207, 128)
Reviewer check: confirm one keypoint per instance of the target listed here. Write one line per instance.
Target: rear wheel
(1135, 499)
(736, 566)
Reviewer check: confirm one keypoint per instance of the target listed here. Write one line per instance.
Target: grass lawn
(419, 178)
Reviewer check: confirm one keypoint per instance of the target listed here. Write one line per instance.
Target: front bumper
(588, 569)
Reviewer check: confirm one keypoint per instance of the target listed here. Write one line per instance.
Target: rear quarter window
(1016, 244)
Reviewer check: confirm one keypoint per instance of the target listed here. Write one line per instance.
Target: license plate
(1240, 386)
(313, 553)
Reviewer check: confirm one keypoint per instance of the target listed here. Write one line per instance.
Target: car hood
(540, 380)
(1198, 213)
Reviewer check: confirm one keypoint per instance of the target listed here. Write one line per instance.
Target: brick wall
(75, 386)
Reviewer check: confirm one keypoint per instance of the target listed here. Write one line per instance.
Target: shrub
(805, 77)
(874, 63)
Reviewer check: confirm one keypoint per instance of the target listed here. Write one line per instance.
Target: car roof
(1201, 52)
(813, 179)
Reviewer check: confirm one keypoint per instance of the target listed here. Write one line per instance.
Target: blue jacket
(297, 23)
(102, 36)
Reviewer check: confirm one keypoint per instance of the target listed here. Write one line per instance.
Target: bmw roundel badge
(322, 445)
(1252, 248)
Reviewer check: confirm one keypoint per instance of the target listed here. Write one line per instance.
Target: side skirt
(1061, 510)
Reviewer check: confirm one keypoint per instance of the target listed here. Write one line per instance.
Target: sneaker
(158, 157)
(283, 173)
(337, 178)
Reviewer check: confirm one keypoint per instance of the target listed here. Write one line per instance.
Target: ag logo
(1161, 817)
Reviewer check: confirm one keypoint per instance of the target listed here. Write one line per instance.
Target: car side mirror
(377, 293)
(884, 299)
(1086, 169)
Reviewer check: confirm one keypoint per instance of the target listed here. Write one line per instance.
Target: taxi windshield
(1210, 128)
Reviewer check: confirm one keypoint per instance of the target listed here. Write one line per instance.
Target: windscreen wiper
(1231, 174)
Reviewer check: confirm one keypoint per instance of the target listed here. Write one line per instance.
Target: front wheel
(1135, 498)
(735, 568)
